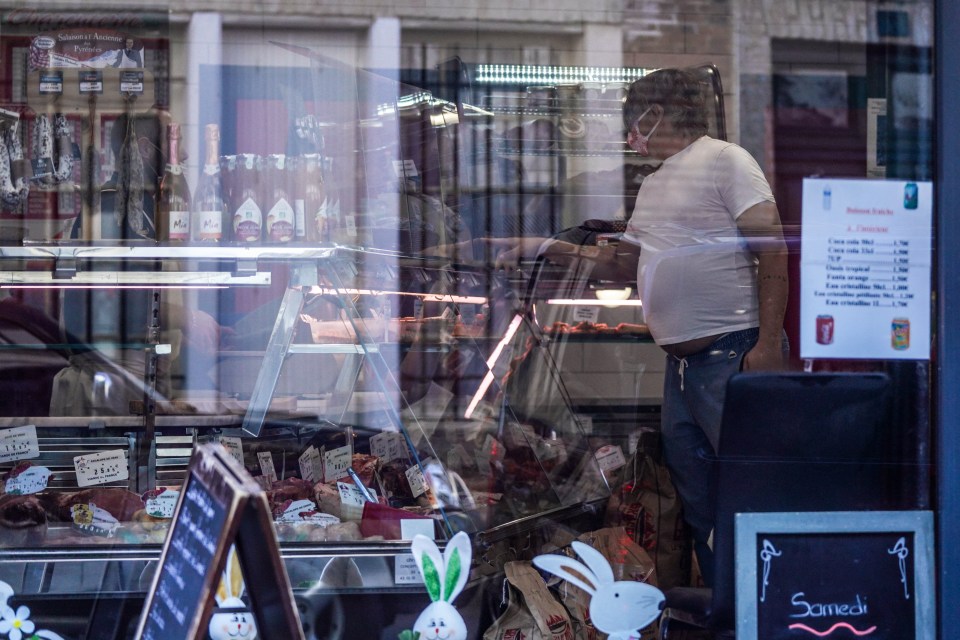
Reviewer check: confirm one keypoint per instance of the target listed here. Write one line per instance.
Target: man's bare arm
(760, 225)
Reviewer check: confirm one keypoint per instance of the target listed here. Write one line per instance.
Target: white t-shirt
(696, 276)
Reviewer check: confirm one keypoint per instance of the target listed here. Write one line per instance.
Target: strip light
(491, 361)
(592, 302)
(524, 74)
(426, 297)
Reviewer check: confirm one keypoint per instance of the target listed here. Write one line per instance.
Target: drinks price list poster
(865, 269)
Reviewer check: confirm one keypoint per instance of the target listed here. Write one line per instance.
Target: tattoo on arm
(774, 277)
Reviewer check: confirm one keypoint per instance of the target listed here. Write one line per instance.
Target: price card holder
(219, 505)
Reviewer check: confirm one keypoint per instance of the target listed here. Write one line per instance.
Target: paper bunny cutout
(445, 576)
(620, 609)
(233, 619)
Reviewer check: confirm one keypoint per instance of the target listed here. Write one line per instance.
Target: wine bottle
(173, 211)
(209, 209)
(278, 204)
(247, 219)
(314, 202)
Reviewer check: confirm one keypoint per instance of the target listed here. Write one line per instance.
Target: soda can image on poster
(911, 196)
(900, 334)
(825, 329)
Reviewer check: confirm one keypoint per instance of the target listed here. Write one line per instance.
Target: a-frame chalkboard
(219, 505)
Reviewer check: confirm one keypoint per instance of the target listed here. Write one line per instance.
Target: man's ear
(657, 110)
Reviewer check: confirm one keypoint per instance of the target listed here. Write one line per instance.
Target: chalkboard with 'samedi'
(834, 575)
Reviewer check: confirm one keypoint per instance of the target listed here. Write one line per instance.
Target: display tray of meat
(594, 329)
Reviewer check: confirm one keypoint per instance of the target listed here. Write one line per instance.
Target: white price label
(310, 464)
(28, 481)
(586, 314)
(336, 463)
(405, 168)
(410, 527)
(610, 457)
(418, 484)
(162, 504)
(101, 468)
(19, 443)
(305, 511)
(352, 501)
(351, 223)
(94, 520)
(389, 445)
(406, 571)
(267, 468)
(234, 447)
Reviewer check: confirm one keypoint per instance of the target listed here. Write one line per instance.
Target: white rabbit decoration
(620, 609)
(444, 576)
(234, 620)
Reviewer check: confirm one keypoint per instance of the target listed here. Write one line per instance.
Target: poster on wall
(865, 269)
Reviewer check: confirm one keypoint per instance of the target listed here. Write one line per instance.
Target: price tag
(389, 445)
(351, 223)
(19, 443)
(51, 83)
(352, 501)
(418, 484)
(131, 82)
(91, 82)
(267, 468)
(234, 447)
(405, 168)
(101, 468)
(336, 463)
(405, 566)
(91, 519)
(406, 571)
(610, 457)
(160, 503)
(305, 511)
(26, 480)
(586, 314)
(409, 527)
(310, 464)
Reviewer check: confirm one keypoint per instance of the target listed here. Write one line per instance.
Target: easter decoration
(618, 608)
(16, 624)
(232, 618)
(445, 576)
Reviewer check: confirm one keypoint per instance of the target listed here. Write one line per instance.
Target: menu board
(865, 269)
(220, 505)
(834, 578)
(193, 541)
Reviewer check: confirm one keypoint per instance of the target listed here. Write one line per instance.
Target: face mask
(637, 141)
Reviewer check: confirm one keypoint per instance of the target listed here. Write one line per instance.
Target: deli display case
(374, 388)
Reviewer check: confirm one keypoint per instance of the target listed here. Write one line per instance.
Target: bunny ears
(588, 575)
(445, 575)
(231, 584)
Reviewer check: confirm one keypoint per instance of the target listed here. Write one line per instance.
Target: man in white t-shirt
(711, 272)
(706, 247)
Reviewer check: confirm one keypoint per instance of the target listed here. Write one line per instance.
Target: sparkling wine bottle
(281, 219)
(173, 211)
(247, 216)
(209, 208)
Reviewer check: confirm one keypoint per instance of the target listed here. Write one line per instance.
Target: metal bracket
(245, 268)
(65, 268)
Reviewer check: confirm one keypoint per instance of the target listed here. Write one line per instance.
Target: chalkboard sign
(835, 575)
(219, 505)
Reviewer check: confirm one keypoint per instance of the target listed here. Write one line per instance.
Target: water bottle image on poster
(865, 269)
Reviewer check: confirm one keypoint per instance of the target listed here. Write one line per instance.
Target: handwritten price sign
(101, 468)
(19, 443)
(336, 463)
